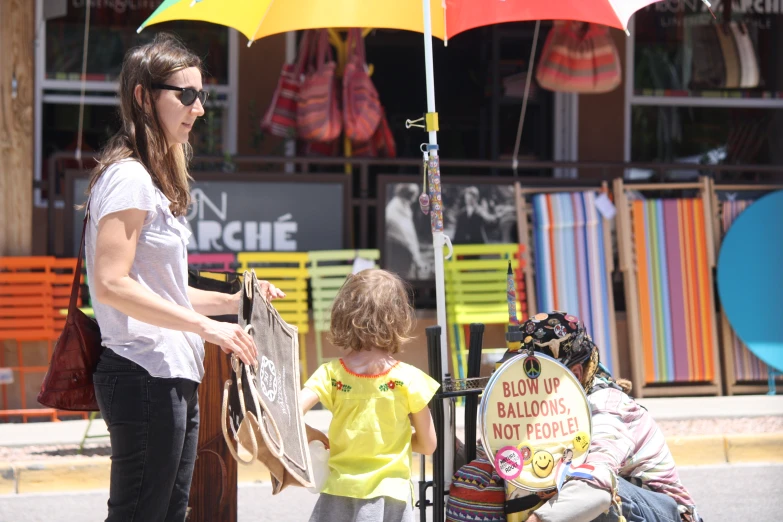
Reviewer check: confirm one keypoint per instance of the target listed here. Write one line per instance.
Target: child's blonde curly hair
(372, 310)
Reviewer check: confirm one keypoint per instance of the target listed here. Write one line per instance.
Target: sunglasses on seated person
(188, 94)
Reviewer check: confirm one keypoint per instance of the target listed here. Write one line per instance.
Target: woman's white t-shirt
(160, 265)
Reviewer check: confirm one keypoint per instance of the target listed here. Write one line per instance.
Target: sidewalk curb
(93, 473)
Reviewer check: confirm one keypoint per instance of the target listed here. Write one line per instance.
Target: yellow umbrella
(259, 18)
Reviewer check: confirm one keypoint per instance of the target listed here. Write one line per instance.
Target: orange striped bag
(318, 115)
(579, 57)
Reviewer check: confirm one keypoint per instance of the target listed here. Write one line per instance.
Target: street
(725, 492)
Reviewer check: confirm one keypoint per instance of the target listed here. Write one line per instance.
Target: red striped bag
(318, 113)
(280, 117)
(380, 145)
(361, 106)
(579, 57)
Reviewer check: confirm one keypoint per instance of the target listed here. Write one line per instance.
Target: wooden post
(17, 74)
(213, 494)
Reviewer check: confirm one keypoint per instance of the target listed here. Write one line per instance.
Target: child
(374, 399)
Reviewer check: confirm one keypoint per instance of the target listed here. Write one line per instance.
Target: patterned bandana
(563, 337)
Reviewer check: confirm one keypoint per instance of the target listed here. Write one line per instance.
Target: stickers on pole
(534, 418)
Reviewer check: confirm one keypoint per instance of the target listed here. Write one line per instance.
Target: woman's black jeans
(153, 425)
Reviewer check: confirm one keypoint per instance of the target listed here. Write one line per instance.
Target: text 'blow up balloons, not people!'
(535, 422)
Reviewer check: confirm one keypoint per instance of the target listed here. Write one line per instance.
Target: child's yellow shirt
(370, 433)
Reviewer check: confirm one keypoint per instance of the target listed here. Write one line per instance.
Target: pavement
(758, 499)
(37, 475)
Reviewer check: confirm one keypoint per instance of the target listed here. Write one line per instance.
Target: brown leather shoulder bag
(68, 382)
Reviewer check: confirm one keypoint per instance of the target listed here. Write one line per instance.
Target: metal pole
(438, 240)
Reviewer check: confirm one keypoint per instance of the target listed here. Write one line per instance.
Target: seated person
(632, 462)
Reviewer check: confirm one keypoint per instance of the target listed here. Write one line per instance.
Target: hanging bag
(260, 409)
(383, 139)
(68, 383)
(318, 113)
(280, 117)
(361, 107)
(381, 145)
(579, 57)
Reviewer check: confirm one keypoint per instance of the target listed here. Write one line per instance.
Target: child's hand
(314, 434)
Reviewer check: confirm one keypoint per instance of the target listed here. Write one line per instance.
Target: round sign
(543, 415)
(508, 463)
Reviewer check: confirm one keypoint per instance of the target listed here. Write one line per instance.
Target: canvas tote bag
(261, 404)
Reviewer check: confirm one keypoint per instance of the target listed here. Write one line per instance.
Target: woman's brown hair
(372, 310)
(141, 135)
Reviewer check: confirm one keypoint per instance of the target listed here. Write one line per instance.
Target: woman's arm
(213, 303)
(423, 441)
(115, 250)
(216, 303)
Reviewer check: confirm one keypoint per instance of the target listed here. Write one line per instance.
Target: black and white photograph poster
(475, 213)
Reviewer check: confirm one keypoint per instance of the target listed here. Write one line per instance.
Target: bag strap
(304, 53)
(77, 275)
(323, 49)
(225, 420)
(360, 51)
(355, 47)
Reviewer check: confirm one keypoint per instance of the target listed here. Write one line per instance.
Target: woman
(152, 323)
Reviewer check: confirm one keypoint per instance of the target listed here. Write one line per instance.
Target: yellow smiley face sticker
(543, 464)
(581, 441)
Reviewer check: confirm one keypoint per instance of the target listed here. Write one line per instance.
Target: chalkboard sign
(249, 213)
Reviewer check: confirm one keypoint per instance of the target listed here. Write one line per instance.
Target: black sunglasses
(188, 96)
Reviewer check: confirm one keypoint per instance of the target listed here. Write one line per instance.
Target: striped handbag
(579, 57)
(380, 145)
(361, 106)
(318, 113)
(280, 117)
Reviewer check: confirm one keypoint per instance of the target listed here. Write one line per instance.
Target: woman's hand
(232, 339)
(268, 291)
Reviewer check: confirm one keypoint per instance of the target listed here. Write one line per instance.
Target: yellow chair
(476, 279)
(328, 271)
(288, 272)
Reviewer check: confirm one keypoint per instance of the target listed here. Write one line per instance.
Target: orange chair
(32, 289)
(26, 314)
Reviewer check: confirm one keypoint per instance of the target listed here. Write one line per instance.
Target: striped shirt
(627, 442)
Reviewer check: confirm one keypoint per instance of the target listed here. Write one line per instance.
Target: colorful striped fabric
(670, 247)
(570, 262)
(747, 367)
(477, 494)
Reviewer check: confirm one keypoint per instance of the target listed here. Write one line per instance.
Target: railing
(365, 171)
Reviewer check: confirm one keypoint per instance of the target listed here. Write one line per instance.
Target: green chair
(476, 280)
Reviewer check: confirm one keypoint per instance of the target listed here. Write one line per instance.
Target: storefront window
(112, 31)
(707, 90)
(113, 25)
(680, 50)
(706, 135)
